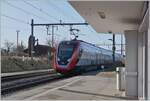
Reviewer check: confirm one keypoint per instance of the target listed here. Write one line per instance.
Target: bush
(9, 64)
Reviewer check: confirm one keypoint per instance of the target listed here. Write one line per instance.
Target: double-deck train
(78, 56)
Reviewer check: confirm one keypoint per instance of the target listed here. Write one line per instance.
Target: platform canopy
(110, 16)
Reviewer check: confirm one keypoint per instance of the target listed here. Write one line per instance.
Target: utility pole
(53, 36)
(32, 31)
(121, 44)
(113, 48)
(17, 40)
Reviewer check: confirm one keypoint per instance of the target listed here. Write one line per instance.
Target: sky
(17, 15)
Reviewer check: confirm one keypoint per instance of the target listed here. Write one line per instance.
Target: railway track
(20, 81)
(12, 83)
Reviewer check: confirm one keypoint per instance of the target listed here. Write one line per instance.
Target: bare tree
(21, 47)
(8, 45)
(18, 50)
(49, 42)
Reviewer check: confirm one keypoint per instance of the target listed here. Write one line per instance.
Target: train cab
(66, 56)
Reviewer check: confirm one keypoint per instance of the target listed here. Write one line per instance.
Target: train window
(65, 51)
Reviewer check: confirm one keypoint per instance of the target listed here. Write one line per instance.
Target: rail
(16, 81)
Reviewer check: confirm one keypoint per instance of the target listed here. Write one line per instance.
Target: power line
(39, 9)
(15, 19)
(55, 7)
(22, 10)
(18, 20)
(12, 28)
(75, 11)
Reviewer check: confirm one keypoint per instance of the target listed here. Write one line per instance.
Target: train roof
(74, 40)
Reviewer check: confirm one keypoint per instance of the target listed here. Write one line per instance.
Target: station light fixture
(102, 15)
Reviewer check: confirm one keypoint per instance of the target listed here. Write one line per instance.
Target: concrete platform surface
(90, 86)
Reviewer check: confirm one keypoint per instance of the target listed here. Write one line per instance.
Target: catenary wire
(39, 9)
(21, 9)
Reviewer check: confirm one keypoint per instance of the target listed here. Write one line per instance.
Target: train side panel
(95, 56)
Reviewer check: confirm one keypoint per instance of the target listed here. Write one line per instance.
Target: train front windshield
(65, 52)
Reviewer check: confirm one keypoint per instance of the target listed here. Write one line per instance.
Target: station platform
(89, 86)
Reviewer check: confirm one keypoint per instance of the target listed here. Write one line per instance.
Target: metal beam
(113, 48)
(51, 24)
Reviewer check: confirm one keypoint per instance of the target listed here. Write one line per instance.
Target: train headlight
(68, 60)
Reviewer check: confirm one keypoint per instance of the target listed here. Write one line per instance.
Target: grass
(9, 64)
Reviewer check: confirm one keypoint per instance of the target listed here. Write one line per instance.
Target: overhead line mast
(47, 25)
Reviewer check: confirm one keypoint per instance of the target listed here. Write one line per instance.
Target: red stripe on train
(71, 65)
